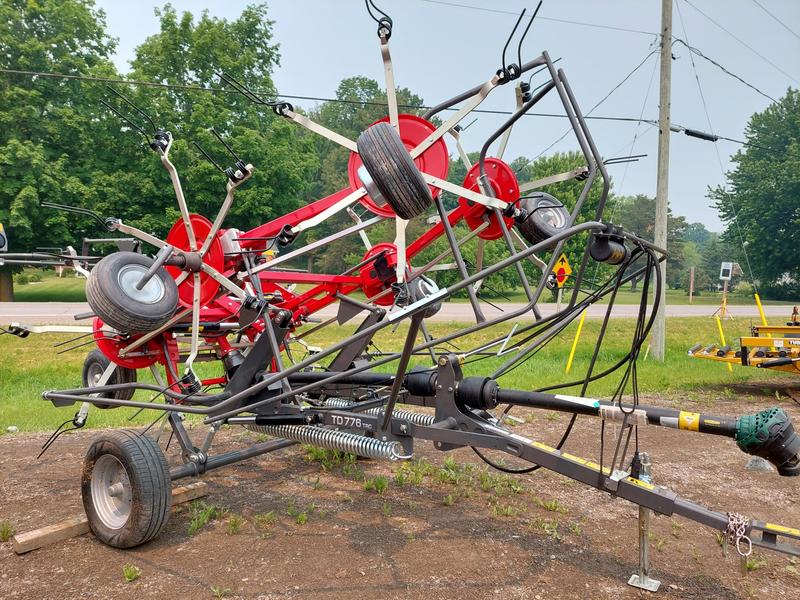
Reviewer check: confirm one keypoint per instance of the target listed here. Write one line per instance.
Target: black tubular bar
(402, 364)
(510, 122)
(191, 469)
(536, 62)
(655, 415)
(462, 268)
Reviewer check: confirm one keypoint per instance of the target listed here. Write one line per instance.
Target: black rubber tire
(116, 307)
(150, 487)
(96, 359)
(547, 217)
(393, 171)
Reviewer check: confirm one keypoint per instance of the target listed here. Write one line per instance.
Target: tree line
(58, 143)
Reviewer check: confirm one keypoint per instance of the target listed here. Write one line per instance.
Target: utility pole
(662, 178)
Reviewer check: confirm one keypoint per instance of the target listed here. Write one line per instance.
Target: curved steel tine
(136, 108)
(511, 35)
(126, 119)
(525, 33)
(219, 137)
(208, 158)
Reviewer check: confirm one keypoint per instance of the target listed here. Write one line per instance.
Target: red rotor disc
(110, 346)
(372, 283)
(434, 161)
(214, 258)
(506, 188)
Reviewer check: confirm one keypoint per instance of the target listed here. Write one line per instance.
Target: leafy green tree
(696, 233)
(44, 122)
(760, 201)
(637, 214)
(189, 52)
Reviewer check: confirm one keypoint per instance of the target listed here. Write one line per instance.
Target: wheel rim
(130, 275)
(94, 373)
(111, 491)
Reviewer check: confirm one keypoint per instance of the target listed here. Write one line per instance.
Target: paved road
(37, 313)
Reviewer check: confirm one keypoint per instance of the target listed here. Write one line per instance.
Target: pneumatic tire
(95, 365)
(126, 488)
(112, 294)
(393, 171)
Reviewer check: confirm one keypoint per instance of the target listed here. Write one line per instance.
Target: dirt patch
(312, 530)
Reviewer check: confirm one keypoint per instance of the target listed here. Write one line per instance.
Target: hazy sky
(440, 49)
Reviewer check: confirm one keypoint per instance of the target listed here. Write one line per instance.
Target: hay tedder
(207, 293)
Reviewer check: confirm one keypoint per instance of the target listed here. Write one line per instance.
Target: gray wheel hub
(130, 275)
(111, 491)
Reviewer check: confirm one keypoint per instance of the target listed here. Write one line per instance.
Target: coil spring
(404, 415)
(332, 439)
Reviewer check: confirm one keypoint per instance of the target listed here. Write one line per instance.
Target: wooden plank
(44, 536)
(31, 540)
(187, 493)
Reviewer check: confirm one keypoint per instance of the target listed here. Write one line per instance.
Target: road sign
(726, 271)
(562, 270)
(3, 239)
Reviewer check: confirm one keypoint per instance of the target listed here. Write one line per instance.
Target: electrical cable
(743, 43)
(200, 88)
(698, 52)
(606, 97)
(716, 149)
(555, 20)
(777, 20)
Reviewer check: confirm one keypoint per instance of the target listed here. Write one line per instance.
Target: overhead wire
(600, 102)
(716, 150)
(742, 42)
(693, 50)
(554, 19)
(200, 88)
(776, 19)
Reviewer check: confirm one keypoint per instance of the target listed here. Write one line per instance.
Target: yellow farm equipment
(767, 347)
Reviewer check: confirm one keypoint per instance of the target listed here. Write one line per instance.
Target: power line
(200, 88)
(779, 21)
(742, 42)
(511, 12)
(614, 89)
(696, 51)
(716, 149)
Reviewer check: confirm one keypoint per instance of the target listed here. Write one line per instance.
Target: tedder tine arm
(319, 129)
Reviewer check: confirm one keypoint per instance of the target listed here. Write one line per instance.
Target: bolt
(403, 428)
(450, 388)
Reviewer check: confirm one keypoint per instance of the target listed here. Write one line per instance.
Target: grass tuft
(131, 572)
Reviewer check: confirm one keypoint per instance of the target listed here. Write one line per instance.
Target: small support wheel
(95, 365)
(545, 217)
(126, 488)
(393, 172)
(112, 293)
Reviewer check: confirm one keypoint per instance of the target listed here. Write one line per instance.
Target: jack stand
(642, 579)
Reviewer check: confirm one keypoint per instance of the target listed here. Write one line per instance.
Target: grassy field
(29, 366)
(52, 288)
(71, 289)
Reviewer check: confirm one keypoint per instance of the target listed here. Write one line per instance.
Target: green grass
(29, 366)
(131, 572)
(52, 288)
(6, 530)
(202, 514)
